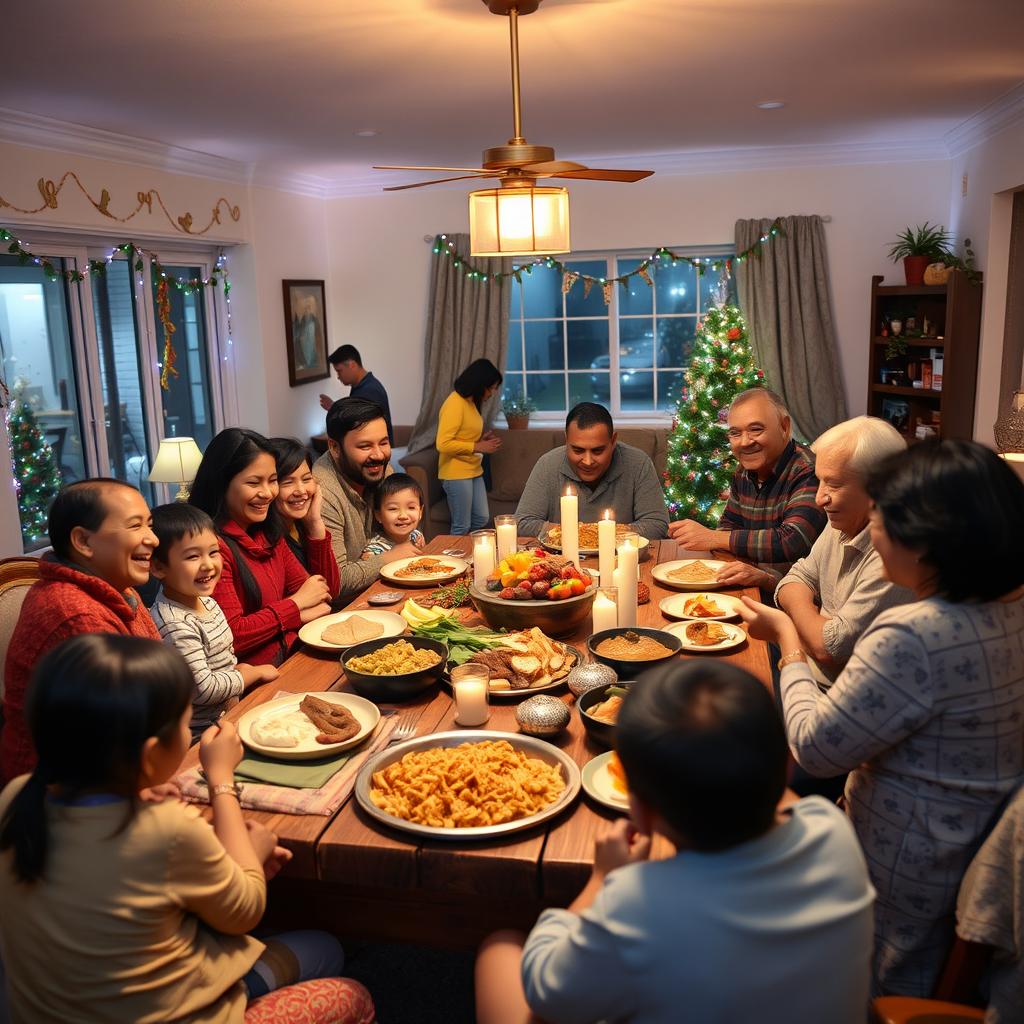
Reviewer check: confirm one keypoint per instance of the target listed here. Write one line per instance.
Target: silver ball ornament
(542, 715)
(588, 676)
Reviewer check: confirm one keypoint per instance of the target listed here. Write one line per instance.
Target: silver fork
(405, 730)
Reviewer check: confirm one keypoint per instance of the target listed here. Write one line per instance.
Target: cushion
(321, 1001)
(512, 462)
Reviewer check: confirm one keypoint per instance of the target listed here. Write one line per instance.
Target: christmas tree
(700, 464)
(36, 473)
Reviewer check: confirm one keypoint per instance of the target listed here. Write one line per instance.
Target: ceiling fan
(517, 164)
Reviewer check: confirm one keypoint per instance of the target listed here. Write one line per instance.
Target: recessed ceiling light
(366, 133)
(769, 104)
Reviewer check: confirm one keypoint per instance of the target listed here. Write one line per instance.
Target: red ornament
(734, 334)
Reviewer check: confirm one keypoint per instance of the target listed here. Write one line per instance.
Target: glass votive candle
(484, 558)
(471, 686)
(605, 610)
(507, 529)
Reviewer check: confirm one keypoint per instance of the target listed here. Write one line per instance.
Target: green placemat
(293, 774)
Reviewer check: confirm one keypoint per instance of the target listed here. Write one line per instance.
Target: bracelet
(787, 659)
(226, 787)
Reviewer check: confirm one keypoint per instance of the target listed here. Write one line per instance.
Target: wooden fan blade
(553, 167)
(596, 174)
(438, 181)
(399, 167)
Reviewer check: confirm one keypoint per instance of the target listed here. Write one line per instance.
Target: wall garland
(50, 192)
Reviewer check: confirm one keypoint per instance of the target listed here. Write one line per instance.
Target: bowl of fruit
(536, 588)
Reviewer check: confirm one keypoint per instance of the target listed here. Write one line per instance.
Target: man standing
(604, 474)
(348, 367)
(358, 457)
(771, 517)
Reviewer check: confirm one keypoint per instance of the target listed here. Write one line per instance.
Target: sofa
(510, 468)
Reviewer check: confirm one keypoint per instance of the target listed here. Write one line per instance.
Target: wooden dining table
(361, 879)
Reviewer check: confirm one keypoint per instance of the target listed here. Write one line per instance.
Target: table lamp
(177, 462)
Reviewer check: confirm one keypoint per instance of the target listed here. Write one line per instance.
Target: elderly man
(771, 518)
(834, 593)
(604, 473)
(358, 456)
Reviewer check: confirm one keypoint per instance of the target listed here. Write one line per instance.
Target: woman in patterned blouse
(928, 715)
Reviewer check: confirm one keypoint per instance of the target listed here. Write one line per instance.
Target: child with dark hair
(397, 510)
(120, 910)
(763, 895)
(188, 564)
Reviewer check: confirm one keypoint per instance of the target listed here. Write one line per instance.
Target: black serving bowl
(399, 687)
(631, 669)
(600, 732)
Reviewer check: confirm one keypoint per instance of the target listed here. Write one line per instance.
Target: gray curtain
(466, 320)
(785, 296)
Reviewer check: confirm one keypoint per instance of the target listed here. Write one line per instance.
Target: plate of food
(701, 635)
(343, 629)
(469, 784)
(424, 570)
(604, 781)
(304, 726)
(717, 607)
(689, 573)
(551, 538)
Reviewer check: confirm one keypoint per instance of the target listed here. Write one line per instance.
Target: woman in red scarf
(264, 591)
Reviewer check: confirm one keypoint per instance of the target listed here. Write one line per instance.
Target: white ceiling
(280, 86)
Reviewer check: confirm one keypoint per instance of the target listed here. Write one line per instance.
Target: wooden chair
(16, 576)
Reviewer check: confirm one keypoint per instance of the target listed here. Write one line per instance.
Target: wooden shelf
(911, 289)
(914, 342)
(892, 389)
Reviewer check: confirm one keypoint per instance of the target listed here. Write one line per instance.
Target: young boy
(764, 913)
(188, 564)
(397, 509)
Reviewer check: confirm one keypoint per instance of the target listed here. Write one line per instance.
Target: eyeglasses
(753, 433)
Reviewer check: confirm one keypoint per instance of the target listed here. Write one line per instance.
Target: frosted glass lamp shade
(519, 221)
(177, 462)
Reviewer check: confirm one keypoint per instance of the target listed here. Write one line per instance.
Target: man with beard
(771, 518)
(357, 459)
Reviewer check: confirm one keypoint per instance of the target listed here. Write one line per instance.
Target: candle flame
(607, 513)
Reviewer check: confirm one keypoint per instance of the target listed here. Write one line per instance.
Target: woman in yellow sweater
(462, 443)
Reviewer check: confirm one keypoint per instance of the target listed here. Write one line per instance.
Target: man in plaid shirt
(771, 518)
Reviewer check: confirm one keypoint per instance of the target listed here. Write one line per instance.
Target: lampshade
(1009, 428)
(177, 462)
(519, 221)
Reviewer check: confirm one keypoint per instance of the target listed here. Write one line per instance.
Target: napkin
(310, 774)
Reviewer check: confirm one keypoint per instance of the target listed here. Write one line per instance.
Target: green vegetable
(616, 691)
(463, 641)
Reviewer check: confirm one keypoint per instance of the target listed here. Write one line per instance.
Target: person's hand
(309, 614)
(326, 402)
(692, 535)
(765, 622)
(220, 750)
(263, 840)
(404, 550)
(266, 673)
(734, 574)
(487, 444)
(158, 794)
(313, 592)
(619, 844)
(314, 514)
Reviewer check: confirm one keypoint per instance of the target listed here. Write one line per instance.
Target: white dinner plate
(391, 570)
(311, 632)
(597, 783)
(365, 712)
(674, 606)
(734, 639)
(556, 546)
(661, 574)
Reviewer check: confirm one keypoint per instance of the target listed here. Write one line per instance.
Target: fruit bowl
(555, 618)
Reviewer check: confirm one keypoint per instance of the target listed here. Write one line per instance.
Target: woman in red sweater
(264, 592)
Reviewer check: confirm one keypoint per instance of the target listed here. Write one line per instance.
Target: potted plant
(918, 247)
(517, 408)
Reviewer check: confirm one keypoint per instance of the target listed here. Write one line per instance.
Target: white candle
(627, 572)
(606, 548)
(470, 684)
(605, 612)
(508, 535)
(570, 509)
(483, 557)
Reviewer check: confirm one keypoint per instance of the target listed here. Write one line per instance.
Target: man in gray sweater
(605, 474)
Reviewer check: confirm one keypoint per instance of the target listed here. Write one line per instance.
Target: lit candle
(605, 611)
(483, 557)
(570, 508)
(627, 573)
(606, 548)
(471, 683)
(508, 535)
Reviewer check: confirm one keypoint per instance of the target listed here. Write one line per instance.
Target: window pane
(670, 386)
(593, 304)
(675, 340)
(676, 287)
(588, 340)
(638, 299)
(636, 390)
(35, 345)
(512, 384)
(636, 343)
(588, 387)
(547, 390)
(514, 360)
(544, 345)
(542, 292)
(187, 407)
(121, 376)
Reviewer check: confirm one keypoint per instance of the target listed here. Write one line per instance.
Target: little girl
(397, 509)
(119, 910)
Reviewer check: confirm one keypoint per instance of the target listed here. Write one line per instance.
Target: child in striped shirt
(188, 564)
(397, 509)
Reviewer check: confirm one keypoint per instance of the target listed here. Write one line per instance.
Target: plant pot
(914, 268)
(517, 422)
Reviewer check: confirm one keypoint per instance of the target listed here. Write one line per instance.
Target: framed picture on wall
(305, 331)
(897, 412)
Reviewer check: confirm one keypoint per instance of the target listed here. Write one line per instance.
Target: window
(629, 355)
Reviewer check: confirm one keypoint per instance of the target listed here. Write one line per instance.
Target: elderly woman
(927, 713)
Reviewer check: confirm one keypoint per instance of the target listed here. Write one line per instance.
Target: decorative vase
(517, 422)
(914, 267)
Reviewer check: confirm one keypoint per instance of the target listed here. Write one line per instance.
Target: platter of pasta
(470, 784)
(689, 573)
(424, 570)
(710, 606)
(551, 538)
(699, 636)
